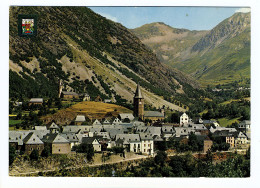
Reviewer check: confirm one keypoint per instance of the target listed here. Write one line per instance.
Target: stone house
(57, 143)
(92, 141)
(31, 142)
(16, 139)
(72, 138)
(129, 141)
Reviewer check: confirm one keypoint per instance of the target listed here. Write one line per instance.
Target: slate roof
(138, 123)
(208, 121)
(80, 118)
(138, 93)
(95, 129)
(40, 128)
(54, 126)
(127, 125)
(18, 136)
(103, 134)
(89, 140)
(36, 100)
(140, 129)
(114, 131)
(183, 131)
(212, 130)
(31, 138)
(198, 126)
(145, 136)
(126, 115)
(154, 130)
(41, 133)
(241, 135)
(224, 133)
(116, 121)
(128, 137)
(71, 137)
(106, 122)
(54, 139)
(245, 122)
(69, 93)
(96, 122)
(153, 114)
(75, 129)
(168, 129)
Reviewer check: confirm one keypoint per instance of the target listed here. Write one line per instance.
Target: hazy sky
(193, 18)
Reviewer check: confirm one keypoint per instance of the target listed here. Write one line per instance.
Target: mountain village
(128, 131)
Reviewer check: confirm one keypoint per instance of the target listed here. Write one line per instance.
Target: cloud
(108, 16)
(244, 10)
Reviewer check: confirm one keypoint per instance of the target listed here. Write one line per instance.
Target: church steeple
(138, 93)
(139, 103)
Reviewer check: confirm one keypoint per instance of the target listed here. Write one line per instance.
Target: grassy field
(92, 110)
(223, 122)
(14, 122)
(234, 100)
(97, 110)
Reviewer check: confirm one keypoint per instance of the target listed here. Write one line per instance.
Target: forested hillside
(90, 54)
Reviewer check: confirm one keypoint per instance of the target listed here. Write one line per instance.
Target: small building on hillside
(36, 101)
(86, 97)
(98, 99)
(107, 101)
(69, 95)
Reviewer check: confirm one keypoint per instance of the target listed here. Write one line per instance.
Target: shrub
(34, 155)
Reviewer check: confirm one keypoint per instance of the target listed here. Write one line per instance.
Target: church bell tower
(138, 103)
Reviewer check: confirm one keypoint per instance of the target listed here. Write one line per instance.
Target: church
(139, 108)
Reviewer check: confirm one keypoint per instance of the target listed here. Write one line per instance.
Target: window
(144, 150)
(144, 145)
(59, 149)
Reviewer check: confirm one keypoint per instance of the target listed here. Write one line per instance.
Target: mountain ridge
(81, 53)
(202, 56)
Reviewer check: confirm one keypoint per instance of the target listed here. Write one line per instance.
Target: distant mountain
(90, 54)
(167, 42)
(221, 55)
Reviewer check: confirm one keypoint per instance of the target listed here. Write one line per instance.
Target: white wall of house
(147, 147)
(184, 119)
(136, 146)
